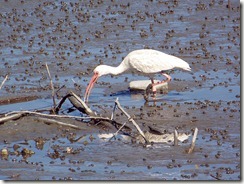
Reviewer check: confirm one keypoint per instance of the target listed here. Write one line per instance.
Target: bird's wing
(151, 62)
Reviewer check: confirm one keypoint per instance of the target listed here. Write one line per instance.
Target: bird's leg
(154, 89)
(168, 78)
(163, 81)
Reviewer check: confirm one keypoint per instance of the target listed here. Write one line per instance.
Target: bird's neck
(119, 69)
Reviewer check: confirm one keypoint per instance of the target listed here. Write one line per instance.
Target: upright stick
(6, 77)
(112, 115)
(51, 84)
(229, 5)
(175, 138)
(193, 141)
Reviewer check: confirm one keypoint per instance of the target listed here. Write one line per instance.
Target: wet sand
(72, 38)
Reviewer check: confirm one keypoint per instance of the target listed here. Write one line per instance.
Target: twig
(117, 131)
(112, 115)
(51, 84)
(59, 89)
(57, 116)
(11, 117)
(215, 177)
(193, 141)
(229, 5)
(17, 114)
(175, 138)
(58, 107)
(130, 119)
(6, 77)
(53, 121)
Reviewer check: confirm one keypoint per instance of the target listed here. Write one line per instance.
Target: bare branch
(80, 104)
(112, 115)
(51, 84)
(57, 116)
(193, 141)
(53, 121)
(175, 138)
(10, 117)
(130, 119)
(6, 77)
(117, 131)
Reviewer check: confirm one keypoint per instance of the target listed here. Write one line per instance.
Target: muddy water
(74, 37)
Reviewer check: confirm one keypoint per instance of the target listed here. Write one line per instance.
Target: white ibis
(146, 62)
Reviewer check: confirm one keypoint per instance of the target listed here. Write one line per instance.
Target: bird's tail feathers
(188, 69)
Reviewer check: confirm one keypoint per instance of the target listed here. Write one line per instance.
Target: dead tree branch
(176, 138)
(24, 113)
(193, 141)
(17, 114)
(130, 119)
(52, 87)
(6, 77)
(117, 131)
(10, 117)
(53, 121)
(77, 103)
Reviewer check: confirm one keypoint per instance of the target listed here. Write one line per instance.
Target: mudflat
(73, 38)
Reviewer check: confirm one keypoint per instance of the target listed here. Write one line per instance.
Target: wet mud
(74, 37)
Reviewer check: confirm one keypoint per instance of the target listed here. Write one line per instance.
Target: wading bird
(146, 62)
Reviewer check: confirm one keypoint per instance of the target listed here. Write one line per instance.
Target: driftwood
(10, 117)
(18, 114)
(130, 119)
(144, 137)
(80, 105)
(53, 121)
(76, 101)
(193, 141)
(117, 131)
(175, 138)
(6, 77)
(51, 84)
(50, 118)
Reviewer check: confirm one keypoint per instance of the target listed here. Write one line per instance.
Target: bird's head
(102, 70)
(98, 72)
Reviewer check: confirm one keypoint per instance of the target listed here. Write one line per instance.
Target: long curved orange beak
(90, 86)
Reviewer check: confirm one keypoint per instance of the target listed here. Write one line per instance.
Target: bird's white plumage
(152, 61)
